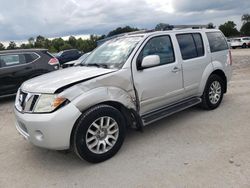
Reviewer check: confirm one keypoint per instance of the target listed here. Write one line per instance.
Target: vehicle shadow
(60, 159)
(9, 99)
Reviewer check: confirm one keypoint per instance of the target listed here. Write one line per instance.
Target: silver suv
(131, 80)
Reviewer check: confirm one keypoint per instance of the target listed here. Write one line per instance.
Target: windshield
(59, 53)
(112, 54)
(83, 57)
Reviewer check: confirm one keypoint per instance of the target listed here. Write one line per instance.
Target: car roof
(146, 34)
(22, 50)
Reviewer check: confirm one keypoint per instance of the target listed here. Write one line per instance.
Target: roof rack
(190, 26)
(169, 27)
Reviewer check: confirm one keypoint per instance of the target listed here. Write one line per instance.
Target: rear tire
(99, 134)
(244, 45)
(213, 92)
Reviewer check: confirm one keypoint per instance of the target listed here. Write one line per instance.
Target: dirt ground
(194, 148)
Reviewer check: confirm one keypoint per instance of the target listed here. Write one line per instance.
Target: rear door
(14, 70)
(194, 60)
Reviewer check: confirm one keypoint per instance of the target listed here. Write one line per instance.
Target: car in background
(68, 55)
(76, 62)
(229, 42)
(17, 66)
(242, 42)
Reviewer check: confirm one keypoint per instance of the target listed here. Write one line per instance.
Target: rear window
(191, 45)
(217, 41)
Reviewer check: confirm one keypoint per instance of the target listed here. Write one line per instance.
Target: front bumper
(52, 130)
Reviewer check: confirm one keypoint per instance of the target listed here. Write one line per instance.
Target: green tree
(229, 29)
(245, 29)
(23, 46)
(72, 41)
(58, 43)
(245, 18)
(40, 42)
(163, 27)
(12, 45)
(211, 26)
(121, 30)
(66, 46)
(2, 46)
(31, 41)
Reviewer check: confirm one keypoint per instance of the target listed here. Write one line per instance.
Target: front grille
(25, 102)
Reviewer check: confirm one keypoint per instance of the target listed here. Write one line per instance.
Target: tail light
(230, 60)
(53, 61)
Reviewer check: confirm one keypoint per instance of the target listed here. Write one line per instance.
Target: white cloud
(21, 19)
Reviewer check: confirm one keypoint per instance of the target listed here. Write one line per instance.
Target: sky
(22, 19)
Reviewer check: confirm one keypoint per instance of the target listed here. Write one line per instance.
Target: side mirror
(150, 61)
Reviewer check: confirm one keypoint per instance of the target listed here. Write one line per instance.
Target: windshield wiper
(97, 65)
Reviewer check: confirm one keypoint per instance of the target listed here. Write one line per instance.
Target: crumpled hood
(49, 83)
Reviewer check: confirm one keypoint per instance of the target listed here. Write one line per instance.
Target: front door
(160, 85)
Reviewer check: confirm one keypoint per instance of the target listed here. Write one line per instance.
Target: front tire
(213, 92)
(99, 133)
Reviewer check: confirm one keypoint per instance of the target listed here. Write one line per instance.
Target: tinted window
(199, 44)
(31, 57)
(246, 38)
(217, 41)
(75, 53)
(11, 60)
(161, 46)
(187, 46)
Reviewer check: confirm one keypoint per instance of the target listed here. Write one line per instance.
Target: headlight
(48, 103)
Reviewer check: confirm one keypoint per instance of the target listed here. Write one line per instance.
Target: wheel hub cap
(215, 92)
(102, 135)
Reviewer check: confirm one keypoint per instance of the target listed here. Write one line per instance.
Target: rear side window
(11, 60)
(75, 52)
(191, 45)
(30, 57)
(199, 44)
(217, 41)
(161, 46)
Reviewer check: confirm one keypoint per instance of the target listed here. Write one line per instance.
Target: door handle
(176, 69)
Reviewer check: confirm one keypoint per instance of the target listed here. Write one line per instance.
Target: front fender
(104, 94)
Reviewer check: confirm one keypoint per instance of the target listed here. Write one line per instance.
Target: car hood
(49, 83)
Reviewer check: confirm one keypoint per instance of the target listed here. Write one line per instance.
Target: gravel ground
(194, 148)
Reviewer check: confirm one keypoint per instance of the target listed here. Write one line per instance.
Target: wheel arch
(115, 97)
(208, 72)
(222, 75)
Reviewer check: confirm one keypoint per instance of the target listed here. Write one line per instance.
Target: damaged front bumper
(51, 130)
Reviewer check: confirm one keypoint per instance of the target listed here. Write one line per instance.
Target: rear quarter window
(30, 57)
(217, 41)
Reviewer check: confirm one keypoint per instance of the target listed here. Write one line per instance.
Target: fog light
(39, 135)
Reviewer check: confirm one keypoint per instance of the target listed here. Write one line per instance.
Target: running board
(167, 111)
